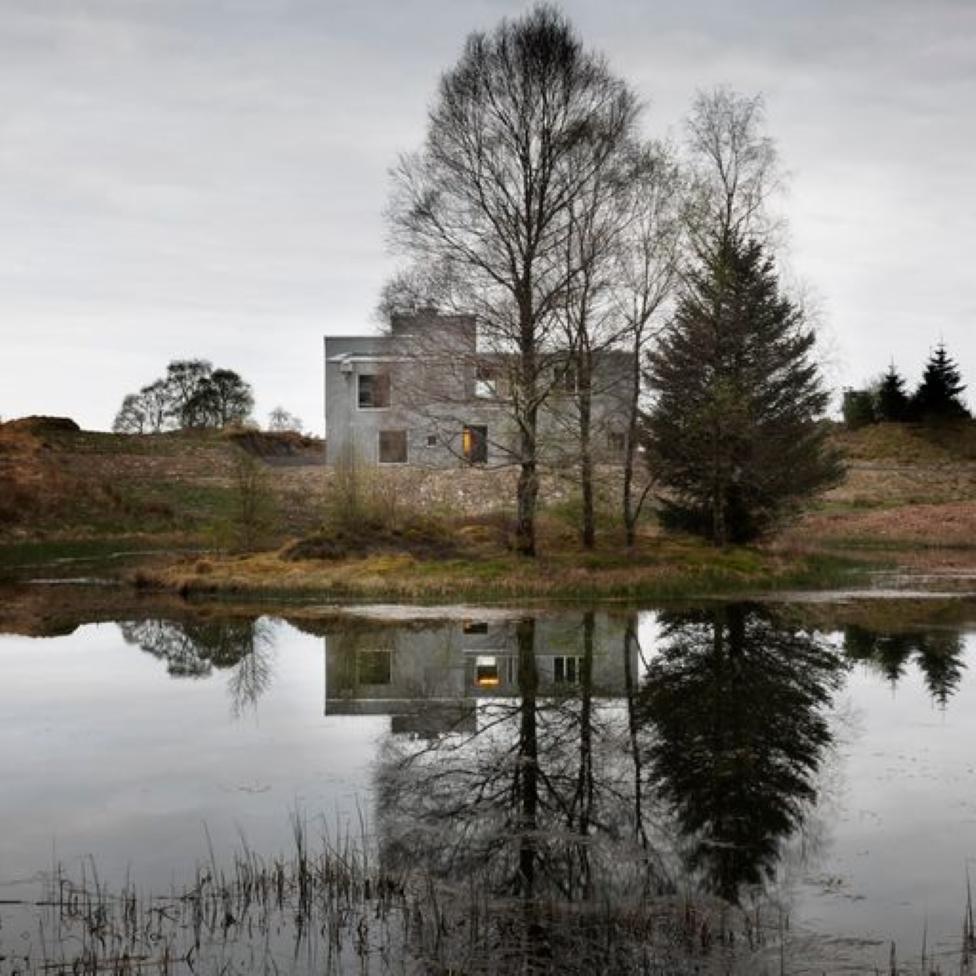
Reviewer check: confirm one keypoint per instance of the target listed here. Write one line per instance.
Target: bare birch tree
(646, 273)
(519, 127)
(734, 166)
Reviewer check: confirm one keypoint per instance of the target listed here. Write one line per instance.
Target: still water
(816, 762)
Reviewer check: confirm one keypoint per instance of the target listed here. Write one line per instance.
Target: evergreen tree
(733, 435)
(938, 396)
(893, 403)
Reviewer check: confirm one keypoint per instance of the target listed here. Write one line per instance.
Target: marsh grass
(329, 907)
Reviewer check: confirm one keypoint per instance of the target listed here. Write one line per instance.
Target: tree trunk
(528, 756)
(528, 480)
(630, 449)
(585, 393)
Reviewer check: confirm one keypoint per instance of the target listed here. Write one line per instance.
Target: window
(374, 391)
(485, 383)
(393, 447)
(474, 444)
(432, 440)
(486, 671)
(615, 441)
(567, 379)
(566, 670)
(374, 667)
(475, 626)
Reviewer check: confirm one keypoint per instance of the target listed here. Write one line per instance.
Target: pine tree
(938, 396)
(893, 402)
(733, 435)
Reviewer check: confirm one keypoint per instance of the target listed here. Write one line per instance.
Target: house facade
(426, 395)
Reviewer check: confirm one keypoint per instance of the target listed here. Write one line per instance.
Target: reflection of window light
(565, 670)
(486, 671)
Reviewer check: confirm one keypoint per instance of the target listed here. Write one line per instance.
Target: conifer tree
(733, 436)
(893, 402)
(938, 396)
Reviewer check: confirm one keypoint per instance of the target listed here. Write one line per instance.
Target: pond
(785, 786)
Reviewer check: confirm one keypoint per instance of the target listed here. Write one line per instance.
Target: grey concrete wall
(434, 394)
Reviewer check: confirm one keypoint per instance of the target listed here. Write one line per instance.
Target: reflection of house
(430, 677)
(426, 394)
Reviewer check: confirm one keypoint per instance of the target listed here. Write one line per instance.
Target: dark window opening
(374, 667)
(474, 444)
(393, 447)
(566, 670)
(568, 379)
(616, 441)
(432, 440)
(475, 626)
(374, 391)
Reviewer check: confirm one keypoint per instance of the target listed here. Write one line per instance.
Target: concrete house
(427, 395)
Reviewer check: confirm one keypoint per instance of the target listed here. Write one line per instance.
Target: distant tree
(156, 401)
(183, 380)
(132, 417)
(892, 401)
(859, 408)
(191, 394)
(733, 434)
(939, 395)
(220, 399)
(281, 420)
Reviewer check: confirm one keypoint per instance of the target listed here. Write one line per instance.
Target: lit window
(474, 444)
(374, 391)
(393, 447)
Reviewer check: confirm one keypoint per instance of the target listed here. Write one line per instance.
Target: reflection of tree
(536, 803)
(937, 654)
(193, 648)
(533, 809)
(737, 704)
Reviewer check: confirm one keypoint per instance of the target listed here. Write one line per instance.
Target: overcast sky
(183, 178)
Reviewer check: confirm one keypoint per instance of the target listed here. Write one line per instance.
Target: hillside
(57, 481)
(907, 489)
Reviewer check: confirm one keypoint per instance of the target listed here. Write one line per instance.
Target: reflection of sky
(906, 814)
(101, 752)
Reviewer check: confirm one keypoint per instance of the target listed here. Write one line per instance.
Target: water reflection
(194, 648)
(738, 704)
(549, 783)
(937, 654)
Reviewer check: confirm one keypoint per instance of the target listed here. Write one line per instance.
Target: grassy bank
(83, 503)
(658, 568)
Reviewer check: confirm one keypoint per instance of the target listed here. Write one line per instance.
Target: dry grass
(658, 567)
